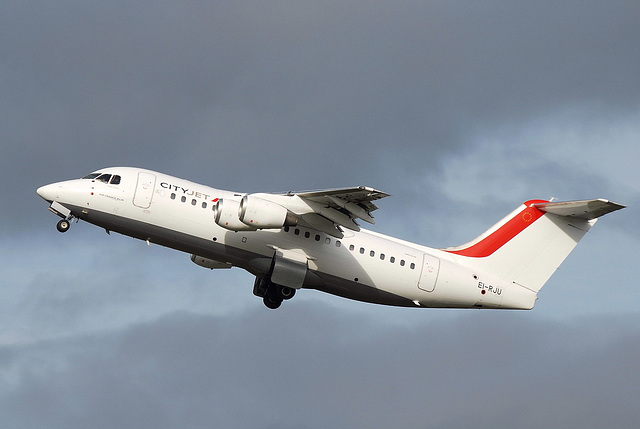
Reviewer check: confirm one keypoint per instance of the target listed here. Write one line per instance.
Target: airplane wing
(355, 202)
(340, 207)
(328, 211)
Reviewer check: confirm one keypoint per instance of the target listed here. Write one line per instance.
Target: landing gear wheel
(63, 225)
(271, 304)
(285, 292)
(272, 294)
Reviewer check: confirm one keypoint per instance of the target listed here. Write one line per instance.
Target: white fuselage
(363, 265)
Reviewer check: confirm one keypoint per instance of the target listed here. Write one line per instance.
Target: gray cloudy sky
(461, 110)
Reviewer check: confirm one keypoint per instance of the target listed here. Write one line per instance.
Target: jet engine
(225, 213)
(263, 214)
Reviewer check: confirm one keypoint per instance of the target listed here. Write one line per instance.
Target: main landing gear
(272, 294)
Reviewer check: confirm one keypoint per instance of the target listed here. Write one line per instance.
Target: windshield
(106, 178)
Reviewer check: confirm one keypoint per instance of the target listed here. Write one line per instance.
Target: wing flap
(357, 203)
(320, 223)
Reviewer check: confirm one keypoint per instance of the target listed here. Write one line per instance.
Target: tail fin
(528, 245)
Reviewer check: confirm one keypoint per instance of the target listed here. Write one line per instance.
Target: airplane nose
(48, 192)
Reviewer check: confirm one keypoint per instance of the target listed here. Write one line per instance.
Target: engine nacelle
(225, 213)
(209, 263)
(263, 214)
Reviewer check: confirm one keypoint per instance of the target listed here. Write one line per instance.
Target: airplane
(312, 240)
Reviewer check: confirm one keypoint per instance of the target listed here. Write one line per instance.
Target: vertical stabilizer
(527, 246)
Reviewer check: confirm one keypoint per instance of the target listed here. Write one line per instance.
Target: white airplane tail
(528, 245)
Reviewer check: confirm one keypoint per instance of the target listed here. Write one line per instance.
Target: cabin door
(429, 274)
(144, 190)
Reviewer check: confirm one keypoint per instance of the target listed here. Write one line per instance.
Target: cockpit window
(104, 178)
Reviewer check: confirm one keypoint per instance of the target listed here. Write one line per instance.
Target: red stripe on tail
(506, 232)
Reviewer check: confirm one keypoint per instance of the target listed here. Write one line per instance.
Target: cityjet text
(185, 191)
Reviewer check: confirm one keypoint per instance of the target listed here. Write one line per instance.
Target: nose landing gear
(65, 214)
(63, 225)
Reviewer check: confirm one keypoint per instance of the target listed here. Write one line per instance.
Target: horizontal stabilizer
(586, 209)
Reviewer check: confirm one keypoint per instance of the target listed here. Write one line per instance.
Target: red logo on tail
(505, 233)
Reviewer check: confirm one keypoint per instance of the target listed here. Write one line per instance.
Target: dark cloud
(267, 369)
(344, 93)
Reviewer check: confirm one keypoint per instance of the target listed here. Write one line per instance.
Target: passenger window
(392, 259)
(412, 266)
(115, 180)
(183, 199)
(352, 247)
(362, 250)
(194, 202)
(402, 262)
(307, 234)
(286, 229)
(173, 195)
(382, 256)
(317, 237)
(338, 243)
(372, 253)
(327, 240)
(296, 231)
(204, 204)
